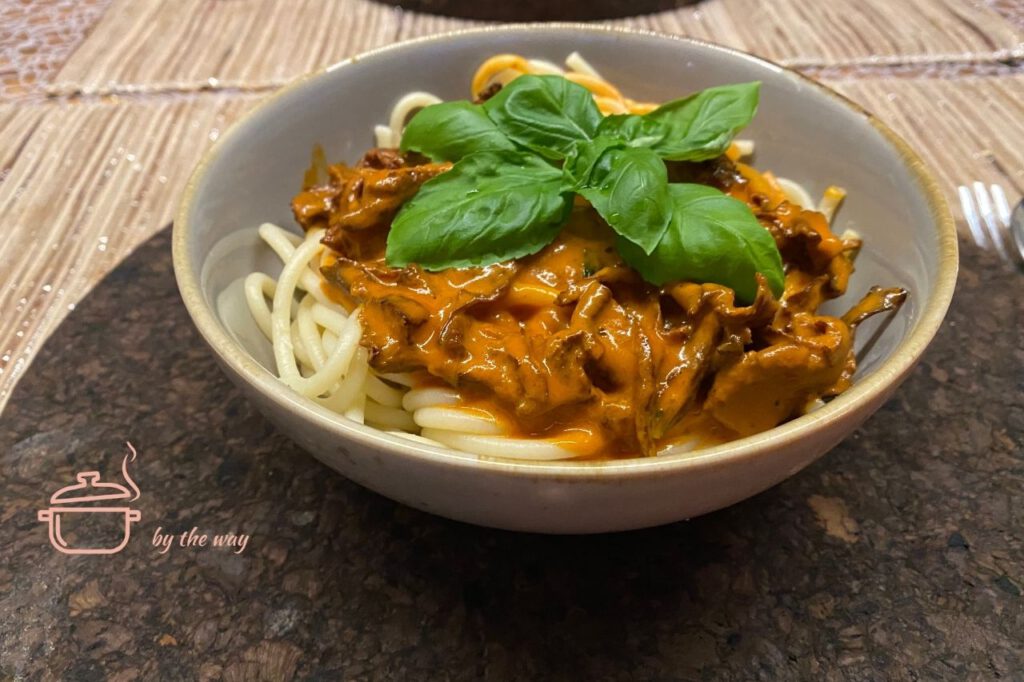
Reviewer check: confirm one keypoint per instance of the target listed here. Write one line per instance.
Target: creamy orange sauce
(571, 345)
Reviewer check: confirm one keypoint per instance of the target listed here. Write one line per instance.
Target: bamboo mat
(90, 183)
(145, 45)
(966, 129)
(152, 45)
(798, 33)
(36, 38)
(84, 180)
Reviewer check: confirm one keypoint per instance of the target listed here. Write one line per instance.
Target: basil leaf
(635, 131)
(629, 188)
(580, 160)
(544, 113)
(702, 125)
(452, 130)
(711, 238)
(490, 207)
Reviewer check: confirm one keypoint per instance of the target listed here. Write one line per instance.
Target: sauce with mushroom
(570, 344)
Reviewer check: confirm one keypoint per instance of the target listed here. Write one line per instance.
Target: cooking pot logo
(78, 502)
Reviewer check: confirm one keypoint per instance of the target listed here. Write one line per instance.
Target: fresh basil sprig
(520, 157)
(628, 186)
(712, 238)
(490, 207)
(547, 114)
(452, 130)
(693, 128)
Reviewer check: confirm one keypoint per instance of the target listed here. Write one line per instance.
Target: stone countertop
(899, 555)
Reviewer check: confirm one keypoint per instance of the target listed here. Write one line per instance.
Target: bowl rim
(847, 406)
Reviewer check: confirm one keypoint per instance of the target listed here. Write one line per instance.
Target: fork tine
(988, 216)
(1014, 241)
(971, 214)
(1001, 204)
(1016, 230)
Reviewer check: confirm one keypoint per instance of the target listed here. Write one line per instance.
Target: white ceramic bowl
(802, 130)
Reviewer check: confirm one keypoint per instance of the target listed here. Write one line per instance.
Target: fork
(991, 222)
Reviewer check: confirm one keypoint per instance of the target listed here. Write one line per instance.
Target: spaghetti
(315, 342)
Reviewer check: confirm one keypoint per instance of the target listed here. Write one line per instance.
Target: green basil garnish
(452, 130)
(582, 156)
(521, 156)
(702, 125)
(547, 114)
(693, 128)
(490, 207)
(628, 186)
(633, 130)
(712, 238)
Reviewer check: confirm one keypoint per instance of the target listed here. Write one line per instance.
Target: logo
(92, 516)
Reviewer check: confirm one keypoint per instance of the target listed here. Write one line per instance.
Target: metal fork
(991, 222)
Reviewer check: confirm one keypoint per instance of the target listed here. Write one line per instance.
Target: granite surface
(900, 555)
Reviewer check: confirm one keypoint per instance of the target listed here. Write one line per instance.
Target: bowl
(540, 10)
(802, 130)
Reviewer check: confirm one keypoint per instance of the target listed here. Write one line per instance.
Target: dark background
(897, 556)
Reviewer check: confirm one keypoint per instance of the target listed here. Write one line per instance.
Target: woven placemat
(149, 45)
(898, 555)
